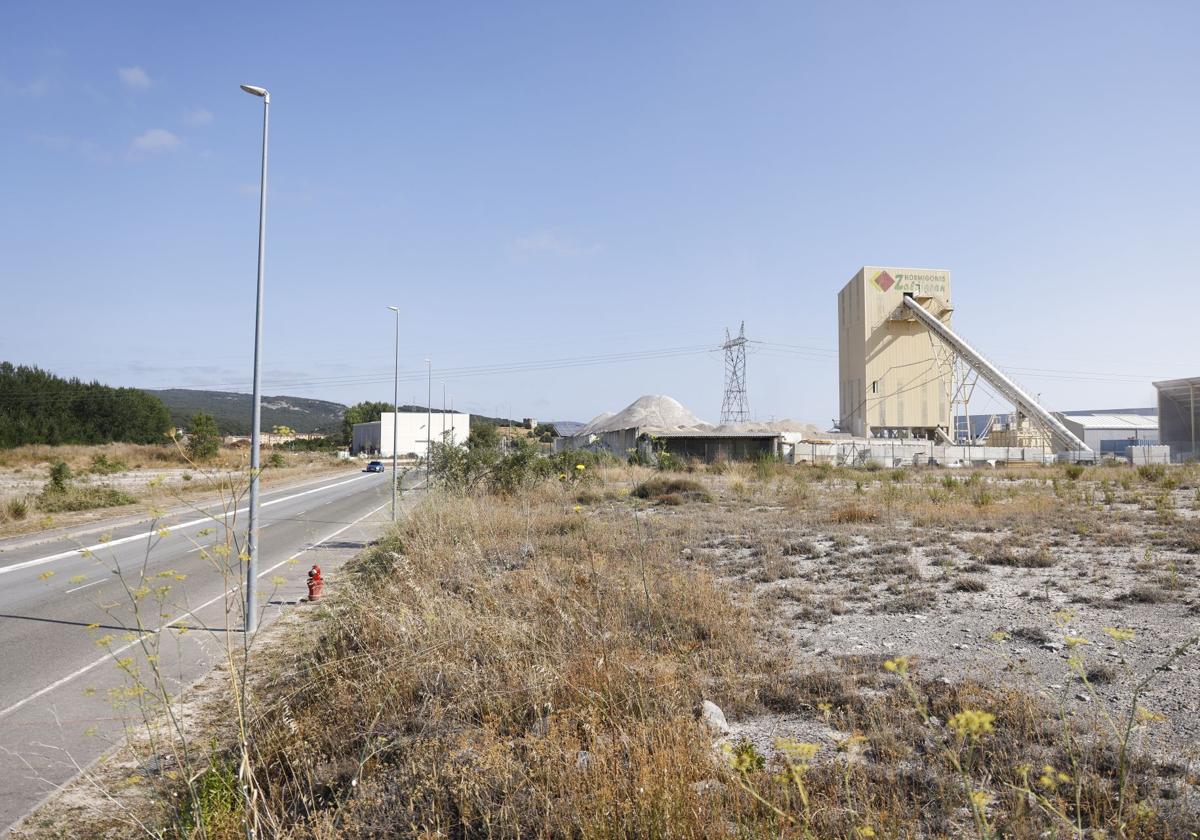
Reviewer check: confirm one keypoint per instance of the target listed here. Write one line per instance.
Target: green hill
(232, 411)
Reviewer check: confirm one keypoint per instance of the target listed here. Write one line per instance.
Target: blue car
(375, 466)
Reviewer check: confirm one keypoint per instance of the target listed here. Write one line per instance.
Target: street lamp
(256, 422)
(395, 410)
(428, 417)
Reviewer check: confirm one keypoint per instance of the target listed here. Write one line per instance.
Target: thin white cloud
(155, 140)
(197, 117)
(75, 145)
(546, 242)
(35, 87)
(134, 78)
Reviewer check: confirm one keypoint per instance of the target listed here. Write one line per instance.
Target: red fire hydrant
(316, 583)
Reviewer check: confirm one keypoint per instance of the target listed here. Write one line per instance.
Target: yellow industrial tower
(894, 373)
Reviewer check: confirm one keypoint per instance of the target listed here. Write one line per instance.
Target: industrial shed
(1112, 432)
(1179, 424)
(718, 446)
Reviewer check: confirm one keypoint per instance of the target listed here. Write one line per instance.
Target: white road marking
(85, 586)
(112, 654)
(208, 519)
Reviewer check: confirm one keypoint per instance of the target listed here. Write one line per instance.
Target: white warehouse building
(1111, 432)
(412, 436)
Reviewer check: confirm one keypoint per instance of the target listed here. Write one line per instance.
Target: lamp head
(257, 91)
(394, 308)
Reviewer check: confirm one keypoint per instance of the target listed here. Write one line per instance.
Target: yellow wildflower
(1120, 634)
(1145, 715)
(999, 636)
(972, 723)
(1075, 641)
(899, 665)
(580, 467)
(797, 751)
(980, 799)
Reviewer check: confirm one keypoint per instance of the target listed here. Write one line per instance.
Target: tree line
(38, 407)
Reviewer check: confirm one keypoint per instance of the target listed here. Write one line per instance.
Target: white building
(412, 434)
(1112, 432)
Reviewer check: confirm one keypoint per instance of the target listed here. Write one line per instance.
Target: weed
(103, 465)
(1004, 555)
(853, 513)
(659, 489)
(75, 498)
(16, 509)
(1152, 473)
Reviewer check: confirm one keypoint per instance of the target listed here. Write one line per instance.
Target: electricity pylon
(735, 408)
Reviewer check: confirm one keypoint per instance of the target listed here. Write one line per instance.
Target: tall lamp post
(256, 422)
(428, 416)
(395, 410)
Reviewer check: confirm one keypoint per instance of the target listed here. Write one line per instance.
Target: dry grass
(80, 457)
(108, 479)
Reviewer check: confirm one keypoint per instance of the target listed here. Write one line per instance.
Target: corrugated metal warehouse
(1111, 432)
(1178, 422)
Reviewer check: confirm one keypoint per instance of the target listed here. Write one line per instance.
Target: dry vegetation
(112, 478)
(900, 654)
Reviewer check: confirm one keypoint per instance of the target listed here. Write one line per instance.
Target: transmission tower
(734, 407)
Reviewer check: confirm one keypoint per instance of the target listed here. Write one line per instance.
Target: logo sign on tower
(918, 281)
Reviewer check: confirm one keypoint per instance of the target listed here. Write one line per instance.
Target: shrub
(670, 463)
(1073, 471)
(103, 465)
(1004, 555)
(60, 476)
(1146, 595)
(851, 513)
(720, 466)
(1152, 473)
(276, 460)
(81, 498)
(970, 584)
(204, 440)
(16, 509)
(660, 489)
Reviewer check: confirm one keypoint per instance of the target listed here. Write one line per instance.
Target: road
(66, 616)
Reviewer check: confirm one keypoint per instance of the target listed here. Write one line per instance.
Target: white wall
(411, 431)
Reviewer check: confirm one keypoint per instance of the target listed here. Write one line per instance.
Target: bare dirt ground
(1017, 596)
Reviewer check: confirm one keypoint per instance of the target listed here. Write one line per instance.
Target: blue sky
(544, 181)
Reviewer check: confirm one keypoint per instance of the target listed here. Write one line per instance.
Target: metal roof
(701, 433)
(1178, 388)
(1113, 421)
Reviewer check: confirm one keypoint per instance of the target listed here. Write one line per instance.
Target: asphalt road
(67, 617)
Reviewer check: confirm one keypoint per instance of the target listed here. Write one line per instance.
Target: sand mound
(808, 430)
(649, 412)
(656, 413)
